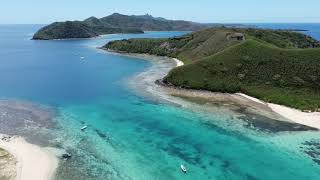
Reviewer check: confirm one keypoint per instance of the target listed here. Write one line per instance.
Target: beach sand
(33, 162)
(179, 63)
(311, 119)
(308, 119)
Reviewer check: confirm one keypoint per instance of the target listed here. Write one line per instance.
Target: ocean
(131, 135)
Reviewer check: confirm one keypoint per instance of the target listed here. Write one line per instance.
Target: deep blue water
(130, 136)
(52, 71)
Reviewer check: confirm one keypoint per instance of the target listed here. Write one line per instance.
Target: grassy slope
(277, 66)
(188, 48)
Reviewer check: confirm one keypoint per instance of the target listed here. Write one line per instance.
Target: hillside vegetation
(207, 42)
(288, 77)
(276, 66)
(115, 23)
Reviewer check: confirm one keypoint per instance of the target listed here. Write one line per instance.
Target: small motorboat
(66, 156)
(183, 168)
(82, 57)
(84, 128)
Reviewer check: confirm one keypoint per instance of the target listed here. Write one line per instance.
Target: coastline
(84, 38)
(288, 114)
(33, 162)
(311, 119)
(274, 111)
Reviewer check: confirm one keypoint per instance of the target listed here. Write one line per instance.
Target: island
(276, 66)
(115, 23)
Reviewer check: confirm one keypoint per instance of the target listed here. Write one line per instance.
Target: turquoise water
(131, 136)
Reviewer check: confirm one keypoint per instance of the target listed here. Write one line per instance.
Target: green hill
(115, 23)
(288, 77)
(282, 67)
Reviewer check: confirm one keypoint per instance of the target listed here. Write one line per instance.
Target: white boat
(82, 58)
(183, 168)
(83, 128)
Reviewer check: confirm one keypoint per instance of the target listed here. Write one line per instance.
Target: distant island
(115, 23)
(278, 66)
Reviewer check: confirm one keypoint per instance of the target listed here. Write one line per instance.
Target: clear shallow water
(130, 136)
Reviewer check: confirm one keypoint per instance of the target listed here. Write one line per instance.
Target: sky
(213, 11)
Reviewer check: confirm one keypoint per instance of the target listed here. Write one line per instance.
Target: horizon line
(192, 21)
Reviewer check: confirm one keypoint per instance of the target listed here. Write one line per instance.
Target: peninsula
(115, 23)
(276, 66)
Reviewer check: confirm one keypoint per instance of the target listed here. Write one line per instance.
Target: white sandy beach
(33, 162)
(309, 119)
(179, 63)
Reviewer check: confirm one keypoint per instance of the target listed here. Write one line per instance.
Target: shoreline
(310, 119)
(33, 162)
(84, 38)
(95, 37)
(278, 112)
